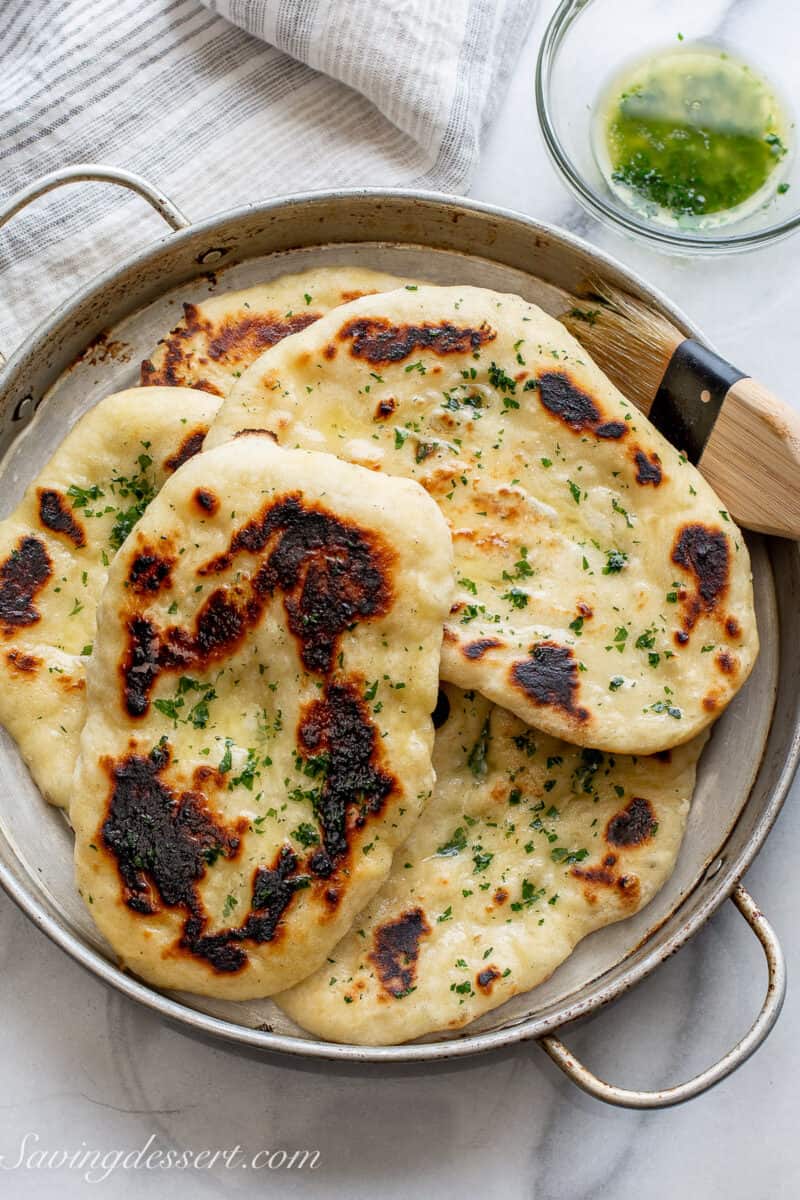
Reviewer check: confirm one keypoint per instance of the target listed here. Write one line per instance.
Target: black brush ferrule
(690, 397)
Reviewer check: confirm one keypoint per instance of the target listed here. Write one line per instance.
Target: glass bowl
(588, 42)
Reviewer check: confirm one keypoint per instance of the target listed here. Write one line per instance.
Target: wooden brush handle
(744, 440)
(752, 460)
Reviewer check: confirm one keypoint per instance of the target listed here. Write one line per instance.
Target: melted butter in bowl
(692, 138)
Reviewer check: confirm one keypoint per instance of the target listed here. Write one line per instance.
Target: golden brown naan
(605, 596)
(217, 339)
(55, 549)
(527, 845)
(258, 738)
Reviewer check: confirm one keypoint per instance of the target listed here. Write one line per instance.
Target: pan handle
(94, 173)
(770, 1010)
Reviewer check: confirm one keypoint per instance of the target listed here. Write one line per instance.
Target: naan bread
(604, 596)
(527, 845)
(219, 338)
(55, 549)
(258, 738)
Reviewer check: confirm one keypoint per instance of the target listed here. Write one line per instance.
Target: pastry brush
(743, 439)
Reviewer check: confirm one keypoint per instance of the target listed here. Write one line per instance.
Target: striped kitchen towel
(225, 102)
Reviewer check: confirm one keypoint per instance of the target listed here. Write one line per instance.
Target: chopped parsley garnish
(226, 762)
(559, 854)
(477, 755)
(248, 773)
(454, 845)
(529, 896)
(662, 706)
(81, 497)
(198, 714)
(481, 859)
(169, 708)
(615, 561)
(306, 834)
(522, 568)
(137, 488)
(500, 380)
(516, 597)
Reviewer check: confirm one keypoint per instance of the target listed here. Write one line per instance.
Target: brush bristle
(629, 341)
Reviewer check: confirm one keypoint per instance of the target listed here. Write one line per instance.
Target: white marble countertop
(81, 1065)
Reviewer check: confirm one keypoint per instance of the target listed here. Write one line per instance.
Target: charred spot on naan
(703, 552)
(385, 408)
(606, 875)
(165, 841)
(575, 408)
(648, 468)
(346, 295)
(192, 444)
(481, 646)
(733, 628)
(485, 979)
(237, 338)
(330, 573)
(273, 889)
(176, 366)
(23, 574)
(149, 571)
(340, 743)
(634, 826)
(55, 514)
(549, 677)
(726, 662)
(162, 840)
(70, 683)
(381, 343)
(21, 663)
(206, 501)
(244, 337)
(395, 951)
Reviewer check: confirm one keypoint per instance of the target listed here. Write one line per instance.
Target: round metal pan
(92, 346)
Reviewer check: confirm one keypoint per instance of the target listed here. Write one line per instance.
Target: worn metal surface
(92, 346)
